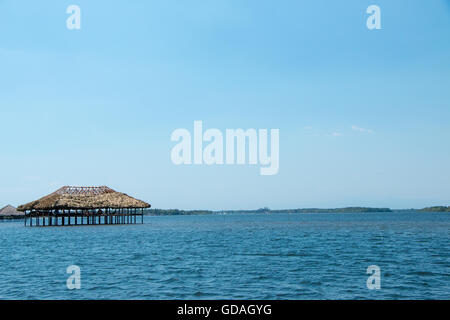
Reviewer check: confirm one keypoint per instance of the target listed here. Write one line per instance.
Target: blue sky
(97, 106)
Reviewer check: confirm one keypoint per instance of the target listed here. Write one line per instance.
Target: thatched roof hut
(84, 198)
(10, 212)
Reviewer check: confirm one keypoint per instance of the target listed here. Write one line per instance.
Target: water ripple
(303, 256)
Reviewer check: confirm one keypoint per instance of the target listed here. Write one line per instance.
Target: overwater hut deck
(73, 206)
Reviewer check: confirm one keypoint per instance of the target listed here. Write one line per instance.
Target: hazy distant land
(436, 209)
(176, 212)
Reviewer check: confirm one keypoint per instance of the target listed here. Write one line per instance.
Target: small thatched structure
(90, 202)
(84, 198)
(9, 212)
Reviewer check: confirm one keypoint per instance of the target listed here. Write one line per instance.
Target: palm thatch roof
(84, 198)
(10, 211)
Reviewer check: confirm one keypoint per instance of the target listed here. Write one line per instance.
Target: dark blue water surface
(278, 256)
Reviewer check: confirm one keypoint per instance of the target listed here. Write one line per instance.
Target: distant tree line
(436, 209)
(177, 212)
(334, 210)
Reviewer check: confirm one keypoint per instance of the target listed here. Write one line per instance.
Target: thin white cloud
(337, 134)
(355, 128)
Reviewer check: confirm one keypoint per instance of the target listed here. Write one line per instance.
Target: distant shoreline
(178, 212)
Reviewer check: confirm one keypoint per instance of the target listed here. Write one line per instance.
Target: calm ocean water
(297, 256)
